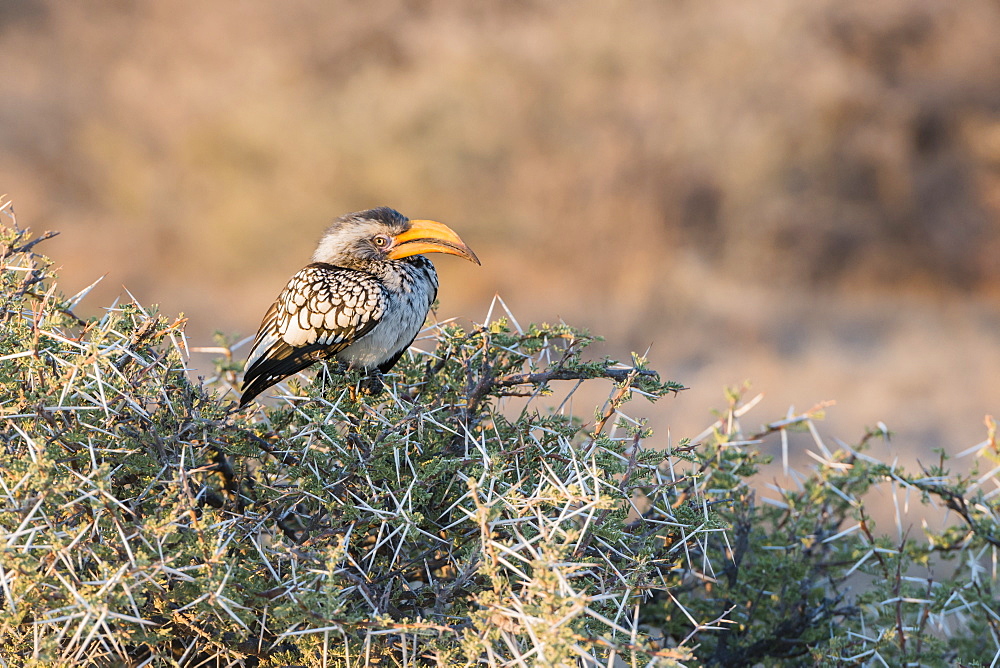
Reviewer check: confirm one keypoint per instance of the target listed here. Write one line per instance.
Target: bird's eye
(381, 241)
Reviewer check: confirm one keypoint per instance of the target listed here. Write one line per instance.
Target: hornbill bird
(361, 301)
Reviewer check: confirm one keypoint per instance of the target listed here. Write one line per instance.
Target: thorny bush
(463, 516)
(146, 518)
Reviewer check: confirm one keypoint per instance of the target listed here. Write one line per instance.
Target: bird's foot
(372, 385)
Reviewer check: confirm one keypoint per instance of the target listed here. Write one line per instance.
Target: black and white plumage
(361, 301)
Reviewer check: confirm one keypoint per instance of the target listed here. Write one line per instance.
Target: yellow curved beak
(428, 236)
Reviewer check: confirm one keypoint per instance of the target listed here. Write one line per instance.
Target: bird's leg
(372, 384)
(369, 384)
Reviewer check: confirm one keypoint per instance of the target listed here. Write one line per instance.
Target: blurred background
(802, 195)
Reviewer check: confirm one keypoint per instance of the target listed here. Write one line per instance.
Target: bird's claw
(372, 385)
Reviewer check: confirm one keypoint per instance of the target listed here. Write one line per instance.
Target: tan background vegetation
(806, 195)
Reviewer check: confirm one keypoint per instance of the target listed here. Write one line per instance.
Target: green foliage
(462, 516)
(802, 578)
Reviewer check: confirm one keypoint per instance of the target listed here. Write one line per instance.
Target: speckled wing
(321, 311)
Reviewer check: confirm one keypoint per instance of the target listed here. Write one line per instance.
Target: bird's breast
(409, 295)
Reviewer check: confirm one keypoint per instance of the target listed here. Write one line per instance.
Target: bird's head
(377, 235)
